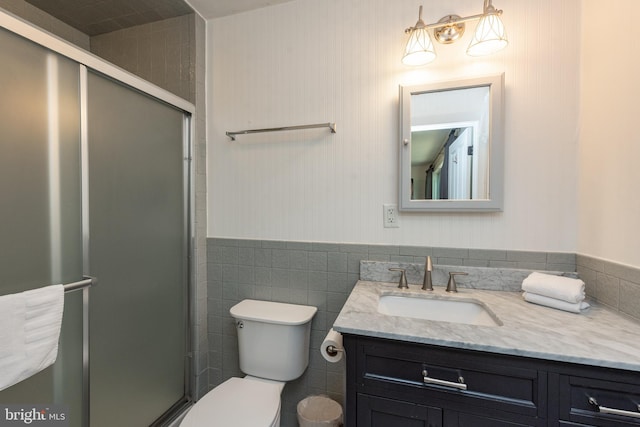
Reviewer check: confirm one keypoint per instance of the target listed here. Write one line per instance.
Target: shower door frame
(87, 61)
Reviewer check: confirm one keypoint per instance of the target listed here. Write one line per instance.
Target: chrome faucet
(451, 286)
(402, 284)
(426, 282)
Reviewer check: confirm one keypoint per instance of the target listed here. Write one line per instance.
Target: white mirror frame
(496, 148)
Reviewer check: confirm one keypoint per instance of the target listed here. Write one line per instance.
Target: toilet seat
(238, 402)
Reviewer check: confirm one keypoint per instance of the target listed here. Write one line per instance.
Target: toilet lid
(238, 402)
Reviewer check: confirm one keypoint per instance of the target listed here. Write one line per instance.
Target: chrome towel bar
(86, 282)
(331, 126)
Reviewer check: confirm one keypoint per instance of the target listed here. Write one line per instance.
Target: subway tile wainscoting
(323, 275)
(614, 285)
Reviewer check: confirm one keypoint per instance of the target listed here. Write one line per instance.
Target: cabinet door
(380, 412)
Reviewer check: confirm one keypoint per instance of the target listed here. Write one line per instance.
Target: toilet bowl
(281, 329)
(238, 402)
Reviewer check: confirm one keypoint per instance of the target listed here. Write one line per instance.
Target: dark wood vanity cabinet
(392, 383)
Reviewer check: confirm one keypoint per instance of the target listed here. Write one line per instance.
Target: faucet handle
(427, 285)
(403, 278)
(451, 285)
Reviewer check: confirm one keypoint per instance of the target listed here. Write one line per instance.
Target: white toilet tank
(273, 338)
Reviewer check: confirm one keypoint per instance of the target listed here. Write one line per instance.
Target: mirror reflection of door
(450, 144)
(460, 151)
(443, 161)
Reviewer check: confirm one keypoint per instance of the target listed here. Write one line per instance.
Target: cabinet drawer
(456, 377)
(598, 402)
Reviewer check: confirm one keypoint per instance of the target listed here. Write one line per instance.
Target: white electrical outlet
(390, 216)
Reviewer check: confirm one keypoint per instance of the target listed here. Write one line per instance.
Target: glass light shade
(489, 37)
(419, 50)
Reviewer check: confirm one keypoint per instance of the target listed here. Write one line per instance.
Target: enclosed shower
(95, 192)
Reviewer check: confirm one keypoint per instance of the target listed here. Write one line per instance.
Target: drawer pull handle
(613, 411)
(460, 385)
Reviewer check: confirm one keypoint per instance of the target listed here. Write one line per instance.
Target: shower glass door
(138, 250)
(94, 179)
(40, 216)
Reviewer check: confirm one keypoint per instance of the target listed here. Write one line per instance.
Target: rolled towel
(552, 286)
(576, 307)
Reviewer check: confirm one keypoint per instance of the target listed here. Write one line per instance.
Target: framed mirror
(451, 145)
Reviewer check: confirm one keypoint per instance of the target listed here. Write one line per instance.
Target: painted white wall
(311, 61)
(609, 142)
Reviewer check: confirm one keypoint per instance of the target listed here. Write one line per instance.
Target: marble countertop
(598, 336)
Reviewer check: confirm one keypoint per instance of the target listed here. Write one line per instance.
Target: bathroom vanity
(536, 367)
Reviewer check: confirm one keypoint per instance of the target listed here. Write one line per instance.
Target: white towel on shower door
(30, 324)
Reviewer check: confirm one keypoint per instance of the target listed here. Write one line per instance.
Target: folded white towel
(552, 286)
(576, 307)
(29, 331)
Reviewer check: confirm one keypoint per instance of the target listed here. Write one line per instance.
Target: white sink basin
(465, 311)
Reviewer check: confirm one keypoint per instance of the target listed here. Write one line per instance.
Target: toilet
(273, 345)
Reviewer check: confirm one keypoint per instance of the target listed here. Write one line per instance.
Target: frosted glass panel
(40, 236)
(137, 250)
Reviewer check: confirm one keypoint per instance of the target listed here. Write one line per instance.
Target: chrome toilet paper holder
(332, 350)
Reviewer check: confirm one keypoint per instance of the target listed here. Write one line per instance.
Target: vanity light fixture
(488, 38)
(419, 50)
